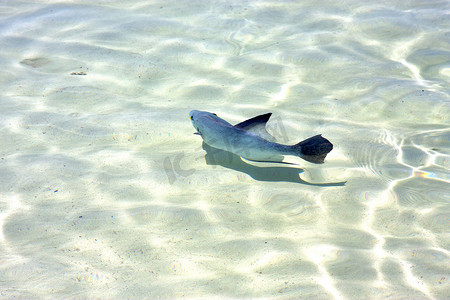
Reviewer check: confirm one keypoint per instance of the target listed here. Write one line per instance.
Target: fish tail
(314, 149)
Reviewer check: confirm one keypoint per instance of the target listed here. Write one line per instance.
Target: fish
(250, 139)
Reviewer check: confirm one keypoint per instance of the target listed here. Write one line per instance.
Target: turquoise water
(106, 192)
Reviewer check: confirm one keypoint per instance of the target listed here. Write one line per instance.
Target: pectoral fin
(269, 161)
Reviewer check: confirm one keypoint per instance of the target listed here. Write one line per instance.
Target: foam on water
(106, 192)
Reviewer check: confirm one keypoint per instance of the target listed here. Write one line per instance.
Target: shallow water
(106, 192)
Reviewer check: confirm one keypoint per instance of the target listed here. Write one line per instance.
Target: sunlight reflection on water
(106, 192)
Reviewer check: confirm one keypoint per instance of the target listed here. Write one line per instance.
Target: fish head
(201, 119)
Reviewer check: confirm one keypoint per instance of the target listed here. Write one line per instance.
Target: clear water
(106, 193)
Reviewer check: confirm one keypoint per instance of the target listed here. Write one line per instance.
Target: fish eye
(214, 114)
(192, 118)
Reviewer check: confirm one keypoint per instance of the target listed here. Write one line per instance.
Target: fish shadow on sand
(229, 160)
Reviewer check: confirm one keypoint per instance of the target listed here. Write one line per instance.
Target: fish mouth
(198, 132)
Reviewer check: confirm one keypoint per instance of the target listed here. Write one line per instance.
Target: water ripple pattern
(105, 192)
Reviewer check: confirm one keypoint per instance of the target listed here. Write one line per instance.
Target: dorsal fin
(257, 126)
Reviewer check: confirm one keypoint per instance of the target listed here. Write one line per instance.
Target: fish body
(249, 139)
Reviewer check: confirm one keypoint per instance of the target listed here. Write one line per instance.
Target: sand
(106, 192)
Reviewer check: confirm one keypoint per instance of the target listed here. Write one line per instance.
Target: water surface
(106, 192)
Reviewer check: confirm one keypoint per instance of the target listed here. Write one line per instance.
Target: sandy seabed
(106, 193)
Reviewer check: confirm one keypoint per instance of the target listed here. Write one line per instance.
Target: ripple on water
(436, 140)
(418, 192)
(113, 193)
(284, 202)
(393, 272)
(415, 106)
(392, 221)
(414, 156)
(290, 266)
(436, 220)
(352, 266)
(379, 155)
(430, 62)
(249, 250)
(386, 25)
(347, 238)
(160, 216)
(299, 206)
